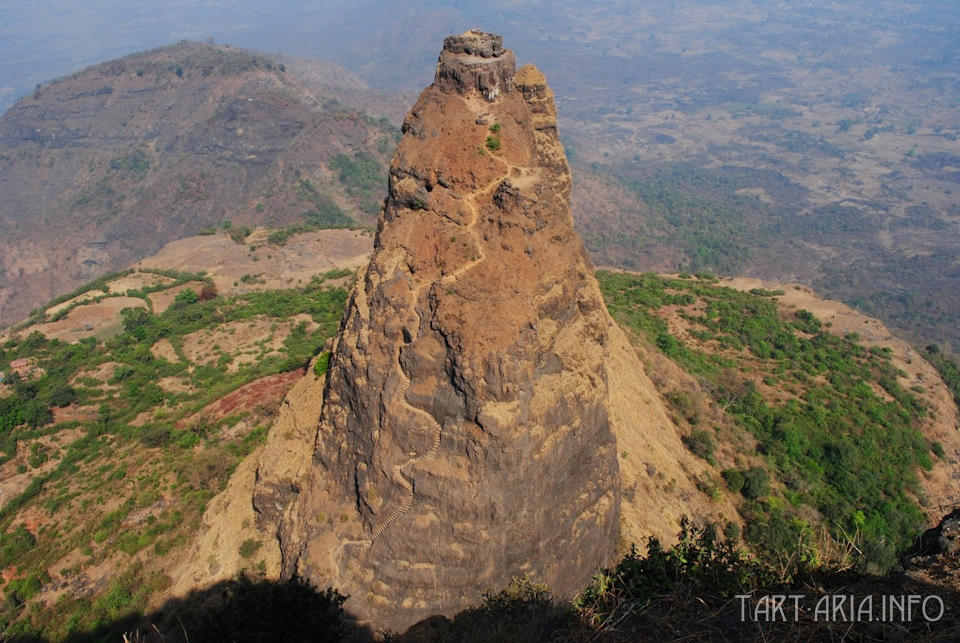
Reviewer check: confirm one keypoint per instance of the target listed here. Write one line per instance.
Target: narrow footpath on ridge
(399, 476)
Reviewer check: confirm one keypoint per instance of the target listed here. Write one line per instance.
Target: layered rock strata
(465, 434)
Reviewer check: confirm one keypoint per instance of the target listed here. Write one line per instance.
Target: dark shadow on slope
(870, 610)
(831, 613)
(705, 589)
(523, 612)
(241, 610)
(813, 602)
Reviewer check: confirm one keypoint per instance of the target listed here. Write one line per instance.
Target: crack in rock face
(465, 435)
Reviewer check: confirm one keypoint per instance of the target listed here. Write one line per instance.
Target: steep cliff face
(465, 434)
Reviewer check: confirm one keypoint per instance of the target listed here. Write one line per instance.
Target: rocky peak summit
(465, 434)
(475, 61)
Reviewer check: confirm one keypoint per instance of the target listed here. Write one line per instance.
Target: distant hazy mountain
(106, 166)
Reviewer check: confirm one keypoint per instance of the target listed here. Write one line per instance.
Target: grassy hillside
(833, 437)
(111, 448)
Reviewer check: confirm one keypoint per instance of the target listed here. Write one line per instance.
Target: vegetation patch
(363, 177)
(845, 440)
(141, 463)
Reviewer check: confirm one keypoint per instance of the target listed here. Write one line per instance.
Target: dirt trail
(401, 478)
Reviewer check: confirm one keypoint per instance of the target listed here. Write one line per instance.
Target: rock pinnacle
(465, 436)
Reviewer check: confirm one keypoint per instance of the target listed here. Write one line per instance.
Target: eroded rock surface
(465, 435)
(475, 61)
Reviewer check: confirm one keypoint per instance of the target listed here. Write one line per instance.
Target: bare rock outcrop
(465, 435)
(475, 61)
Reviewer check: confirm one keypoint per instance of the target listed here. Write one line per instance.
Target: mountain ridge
(127, 155)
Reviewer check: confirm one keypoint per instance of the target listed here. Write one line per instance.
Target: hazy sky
(394, 43)
(43, 39)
